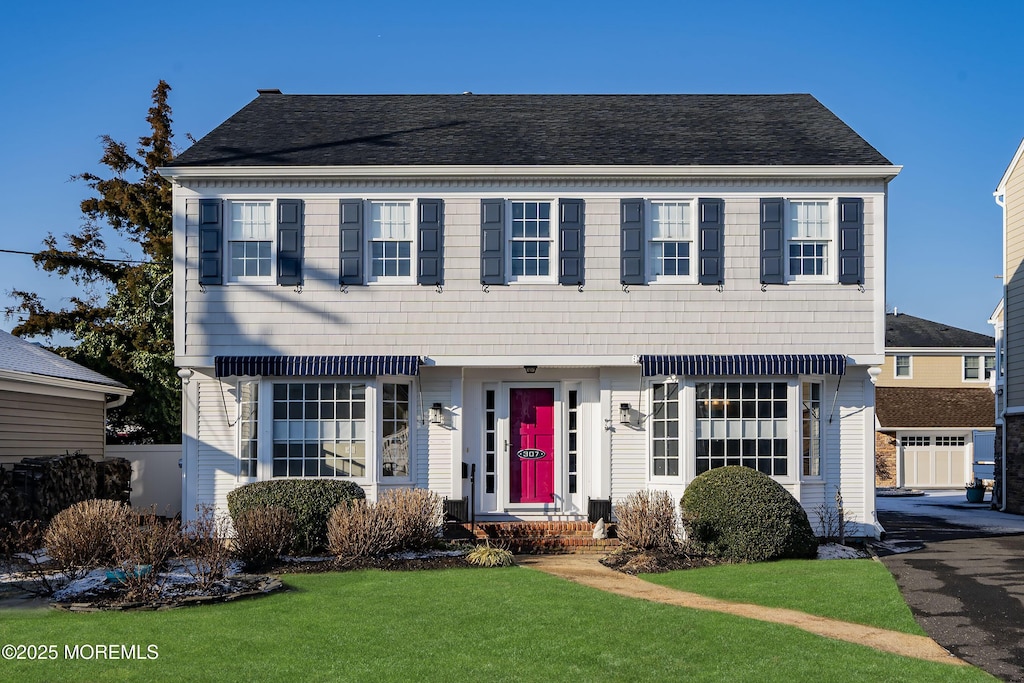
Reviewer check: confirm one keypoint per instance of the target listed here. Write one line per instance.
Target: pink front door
(532, 445)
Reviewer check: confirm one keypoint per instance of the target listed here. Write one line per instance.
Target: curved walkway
(586, 570)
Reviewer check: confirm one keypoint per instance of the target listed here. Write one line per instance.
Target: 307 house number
(531, 454)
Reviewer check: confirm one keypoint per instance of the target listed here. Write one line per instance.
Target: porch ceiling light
(530, 369)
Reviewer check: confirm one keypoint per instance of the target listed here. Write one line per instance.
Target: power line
(106, 260)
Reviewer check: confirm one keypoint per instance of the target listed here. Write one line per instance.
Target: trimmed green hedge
(310, 500)
(740, 514)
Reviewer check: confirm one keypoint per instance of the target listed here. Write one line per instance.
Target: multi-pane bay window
(391, 236)
(248, 427)
(671, 239)
(319, 429)
(530, 239)
(742, 423)
(395, 430)
(250, 240)
(809, 237)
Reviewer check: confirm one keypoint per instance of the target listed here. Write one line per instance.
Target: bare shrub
(357, 529)
(262, 534)
(81, 536)
(833, 520)
(204, 543)
(142, 547)
(417, 516)
(647, 521)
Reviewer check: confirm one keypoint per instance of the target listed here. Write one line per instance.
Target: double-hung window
(250, 241)
(978, 368)
(670, 241)
(530, 240)
(902, 367)
(392, 239)
(809, 240)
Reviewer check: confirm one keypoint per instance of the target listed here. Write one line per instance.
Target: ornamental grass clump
(647, 521)
(82, 535)
(489, 556)
(262, 535)
(741, 515)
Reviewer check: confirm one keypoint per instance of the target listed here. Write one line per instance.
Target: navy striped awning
(752, 364)
(315, 366)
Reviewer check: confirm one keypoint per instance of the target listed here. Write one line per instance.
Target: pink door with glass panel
(532, 445)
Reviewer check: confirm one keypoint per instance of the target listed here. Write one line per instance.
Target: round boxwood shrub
(309, 500)
(742, 515)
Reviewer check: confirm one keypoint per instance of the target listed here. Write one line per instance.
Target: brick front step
(540, 537)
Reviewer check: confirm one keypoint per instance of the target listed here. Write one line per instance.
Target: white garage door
(934, 461)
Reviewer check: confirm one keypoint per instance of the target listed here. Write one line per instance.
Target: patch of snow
(310, 558)
(952, 506)
(897, 547)
(94, 580)
(834, 551)
(421, 555)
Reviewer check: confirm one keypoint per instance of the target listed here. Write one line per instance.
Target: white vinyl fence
(156, 477)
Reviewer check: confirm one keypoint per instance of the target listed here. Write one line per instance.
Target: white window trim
(379, 280)
(980, 379)
(229, 279)
(686, 433)
(910, 366)
(822, 427)
(553, 224)
(831, 260)
(652, 278)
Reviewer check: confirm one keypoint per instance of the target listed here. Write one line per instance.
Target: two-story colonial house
(934, 404)
(534, 302)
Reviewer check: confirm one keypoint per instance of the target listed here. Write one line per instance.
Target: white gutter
(64, 383)
(887, 172)
(116, 403)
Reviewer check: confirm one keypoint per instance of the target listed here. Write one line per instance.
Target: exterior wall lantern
(437, 414)
(624, 414)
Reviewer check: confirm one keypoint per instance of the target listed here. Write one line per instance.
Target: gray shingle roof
(934, 408)
(19, 355)
(906, 331)
(518, 130)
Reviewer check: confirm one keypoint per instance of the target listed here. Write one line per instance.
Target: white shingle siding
(217, 463)
(517, 319)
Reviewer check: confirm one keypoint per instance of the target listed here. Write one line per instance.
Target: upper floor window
(902, 366)
(250, 241)
(670, 241)
(391, 237)
(530, 240)
(809, 239)
(978, 368)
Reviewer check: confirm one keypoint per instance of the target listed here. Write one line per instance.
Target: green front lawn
(509, 624)
(861, 591)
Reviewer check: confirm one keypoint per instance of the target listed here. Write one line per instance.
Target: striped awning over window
(748, 364)
(315, 366)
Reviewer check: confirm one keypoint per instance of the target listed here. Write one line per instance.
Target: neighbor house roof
(906, 331)
(912, 407)
(531, 130)
(25, 358)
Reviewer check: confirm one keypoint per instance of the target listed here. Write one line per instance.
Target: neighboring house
(50, 405)
(556, 299)
(932, 396)
(1008, 321)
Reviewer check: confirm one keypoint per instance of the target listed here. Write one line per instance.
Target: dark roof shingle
(906, 331)
(19, 355)
(898, 407)
(526, 130)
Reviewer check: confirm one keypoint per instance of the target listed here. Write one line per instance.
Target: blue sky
(934, 86)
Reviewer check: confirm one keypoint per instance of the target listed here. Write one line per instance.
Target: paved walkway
(586, 570)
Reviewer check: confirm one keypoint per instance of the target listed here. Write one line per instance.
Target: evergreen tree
(123, 320)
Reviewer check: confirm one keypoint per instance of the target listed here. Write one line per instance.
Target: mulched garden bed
(630, 561)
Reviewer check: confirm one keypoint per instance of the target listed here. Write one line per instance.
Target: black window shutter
(289, 241)
(350, 263)
(632, 242)
(430, 268)
(772, 242)
(492, 241)
(851, 241)
(710, 234)
(570, 241)
(211, 242)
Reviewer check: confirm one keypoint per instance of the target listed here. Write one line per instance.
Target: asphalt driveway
(960, 567)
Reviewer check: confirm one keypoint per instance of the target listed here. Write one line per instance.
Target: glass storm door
(532, 445)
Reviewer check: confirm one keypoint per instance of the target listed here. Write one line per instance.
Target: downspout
(1001, 202)
(116, 403)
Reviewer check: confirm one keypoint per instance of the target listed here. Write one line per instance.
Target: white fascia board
(36, 384)
(539, 361)
(886, 172)
(1001, 187)
(939, 350)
